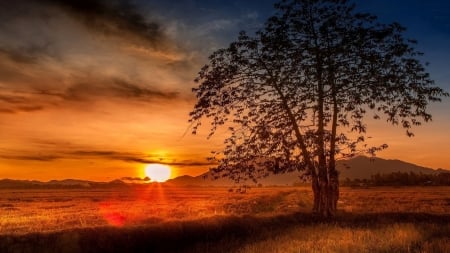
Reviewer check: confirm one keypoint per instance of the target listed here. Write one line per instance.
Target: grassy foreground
(411, 219)
(383, 232)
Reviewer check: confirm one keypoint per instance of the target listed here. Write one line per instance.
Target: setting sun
(158, 172)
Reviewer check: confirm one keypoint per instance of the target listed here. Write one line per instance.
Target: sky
(99, 89)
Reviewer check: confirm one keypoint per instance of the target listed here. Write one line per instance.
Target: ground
(159, 218)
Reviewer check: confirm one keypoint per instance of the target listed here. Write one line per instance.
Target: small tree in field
(296, 95)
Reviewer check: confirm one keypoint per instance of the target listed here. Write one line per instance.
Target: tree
(296, 95)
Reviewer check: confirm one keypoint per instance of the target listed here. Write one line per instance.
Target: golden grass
(383, 219)
(25, 211)
(396, 199)
(397, 237)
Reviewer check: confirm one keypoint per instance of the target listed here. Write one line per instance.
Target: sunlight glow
(158, 172)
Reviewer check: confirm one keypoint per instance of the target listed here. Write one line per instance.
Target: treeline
(402, 179)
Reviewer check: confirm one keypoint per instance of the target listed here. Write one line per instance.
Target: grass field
(159, 218)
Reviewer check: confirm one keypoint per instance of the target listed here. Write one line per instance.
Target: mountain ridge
(360, 167)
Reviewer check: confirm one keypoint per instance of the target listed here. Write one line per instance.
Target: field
(159, 218)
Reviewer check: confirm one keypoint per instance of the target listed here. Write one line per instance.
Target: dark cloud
(18, 56)
(46, 55)
(10, 103)
(136, 179)
(104, 154)
(37, 99)
(111, 155)
(24, 32)
(12, 99)
(133, 159)
(95, 153)
(8, 111)
(39, 158)
(32, 29)
(125, 88)
(113, 18)
(115, 88)
(146, 160)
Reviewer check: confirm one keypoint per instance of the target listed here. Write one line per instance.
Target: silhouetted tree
(291, 93)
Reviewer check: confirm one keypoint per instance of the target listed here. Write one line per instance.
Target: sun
(158, 172)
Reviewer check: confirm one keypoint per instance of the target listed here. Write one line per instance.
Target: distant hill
(58, 184)
(361, 167)
(206, 179)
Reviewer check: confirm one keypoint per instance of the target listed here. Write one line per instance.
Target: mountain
(361, 167)
(9, 183)
(69, 182)
(358, 167)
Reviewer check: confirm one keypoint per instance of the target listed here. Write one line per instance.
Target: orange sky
(99, 103)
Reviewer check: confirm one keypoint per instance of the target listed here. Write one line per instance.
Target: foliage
(297, 94)
(402, 179)
(411, 178)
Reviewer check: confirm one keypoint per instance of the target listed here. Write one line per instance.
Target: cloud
(84, 90)
(95, 153)
(12, 99)
(18, 56)
(115, 88)
(103, 154)
(13, 103)
(57, 52)
(27, 36)
(120, 18)
(136, 179)
(6, 110)
(39, 158)
(138, 158)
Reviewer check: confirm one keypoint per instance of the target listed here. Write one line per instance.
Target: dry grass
(410, 219)
(396, 199)
(27, 211)
(396, 237)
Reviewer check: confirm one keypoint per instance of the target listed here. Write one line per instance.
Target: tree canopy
(297, 94)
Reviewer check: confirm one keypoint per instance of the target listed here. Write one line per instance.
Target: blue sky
(426, 21)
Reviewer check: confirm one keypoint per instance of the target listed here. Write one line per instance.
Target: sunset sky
(97, 91)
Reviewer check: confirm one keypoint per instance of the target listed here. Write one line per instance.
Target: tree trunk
(333, 189)
(316, 194)
(326, 194)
